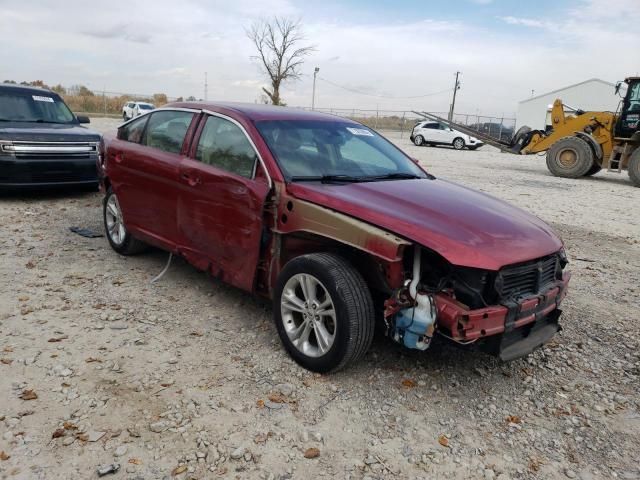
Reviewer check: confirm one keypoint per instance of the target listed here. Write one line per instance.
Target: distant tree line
(82, 99)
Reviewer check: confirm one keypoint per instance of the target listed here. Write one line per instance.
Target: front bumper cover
(539, 314)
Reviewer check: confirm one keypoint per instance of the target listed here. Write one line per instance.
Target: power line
(359, 92)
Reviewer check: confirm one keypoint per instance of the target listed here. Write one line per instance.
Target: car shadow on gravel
(384, 352)
(39, 194)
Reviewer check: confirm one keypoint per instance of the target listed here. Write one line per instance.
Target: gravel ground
(186, 378)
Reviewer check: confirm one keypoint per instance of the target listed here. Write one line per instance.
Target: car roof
(10, 87)
(258, 111)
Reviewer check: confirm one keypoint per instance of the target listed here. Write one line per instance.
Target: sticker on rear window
(38, 98)
(360, 131)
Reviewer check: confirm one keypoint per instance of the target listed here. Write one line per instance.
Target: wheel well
(372, 268)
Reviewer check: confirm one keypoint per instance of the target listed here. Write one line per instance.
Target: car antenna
(164, 270)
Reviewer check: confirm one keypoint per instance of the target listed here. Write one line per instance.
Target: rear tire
(119, 237)
(418, 140)
(570, 157)
(634, 167)
(458, 143)
(336, 284)
(595, 168)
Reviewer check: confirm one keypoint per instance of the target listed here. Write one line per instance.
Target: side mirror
(450, 129)
(618, 85)
(83, 119)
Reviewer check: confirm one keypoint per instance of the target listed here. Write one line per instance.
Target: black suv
(42, 143)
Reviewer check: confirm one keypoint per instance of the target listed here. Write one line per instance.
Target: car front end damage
(508, 313)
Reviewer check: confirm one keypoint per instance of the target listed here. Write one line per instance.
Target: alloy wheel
(308, 315)
(114, 223)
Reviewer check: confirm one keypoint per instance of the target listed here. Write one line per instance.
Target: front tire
(458, 143)
(595, 168)
(570, 157)
(323, 312)
(418, 140)
(119, 237)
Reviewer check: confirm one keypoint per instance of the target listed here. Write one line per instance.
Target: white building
(590, 95)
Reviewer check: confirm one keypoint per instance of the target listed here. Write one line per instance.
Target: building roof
(591, 80)
(257, 111)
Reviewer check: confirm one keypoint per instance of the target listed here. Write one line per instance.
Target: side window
(166, 130)
(223, 145)
(433, 126)
(132, 131)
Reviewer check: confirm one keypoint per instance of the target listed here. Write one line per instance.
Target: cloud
(120, 31)
(167, 46)
(527, 22)
(250, 83)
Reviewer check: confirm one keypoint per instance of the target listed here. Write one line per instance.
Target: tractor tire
(634, 167)
(595, 168)
(570, 157)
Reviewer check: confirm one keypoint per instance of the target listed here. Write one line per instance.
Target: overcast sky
(393, 48)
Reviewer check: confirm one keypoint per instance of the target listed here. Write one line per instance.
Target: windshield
(26, 107)
(315, 149)
(634, 98)
(144, 106)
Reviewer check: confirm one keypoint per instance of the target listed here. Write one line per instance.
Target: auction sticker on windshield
(38, 98)
(360, 131)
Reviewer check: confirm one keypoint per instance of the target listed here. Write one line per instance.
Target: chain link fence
(109, 103)
(403, 121)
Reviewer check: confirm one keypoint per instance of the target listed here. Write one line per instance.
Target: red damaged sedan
(337, 226)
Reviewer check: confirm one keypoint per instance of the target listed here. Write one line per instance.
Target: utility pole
(206, 86)
(453, 102)
(313, 95)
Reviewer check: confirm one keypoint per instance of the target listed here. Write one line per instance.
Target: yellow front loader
(580, 143)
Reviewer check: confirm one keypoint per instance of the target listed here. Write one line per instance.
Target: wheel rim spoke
(301, 333)
(292, 302)
(325, 339)
(112, 209)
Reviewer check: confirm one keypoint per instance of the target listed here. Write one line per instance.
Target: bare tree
(279, 51)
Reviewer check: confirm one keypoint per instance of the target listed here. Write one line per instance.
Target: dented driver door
(220, 208)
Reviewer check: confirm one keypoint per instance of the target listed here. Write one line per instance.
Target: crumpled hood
(46, 132)
(466, 227)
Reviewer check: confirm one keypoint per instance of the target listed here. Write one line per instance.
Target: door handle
(191, 180)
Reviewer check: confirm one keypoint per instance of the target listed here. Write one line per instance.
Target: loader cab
(628, 122)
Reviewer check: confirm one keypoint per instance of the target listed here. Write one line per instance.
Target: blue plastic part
(412, 326)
